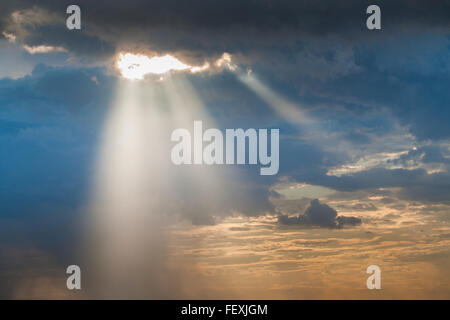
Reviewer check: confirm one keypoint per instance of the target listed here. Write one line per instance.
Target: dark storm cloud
(208, 28)
(318, 48)
(319, 215)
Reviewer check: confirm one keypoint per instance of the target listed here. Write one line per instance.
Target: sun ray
(127, 233)
(289, 111)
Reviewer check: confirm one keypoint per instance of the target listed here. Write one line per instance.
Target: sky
(86, 176)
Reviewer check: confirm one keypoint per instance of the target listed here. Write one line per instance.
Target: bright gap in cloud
(135, 67)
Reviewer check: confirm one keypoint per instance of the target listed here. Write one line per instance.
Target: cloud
(9, 36)
(338, 82)
(415, 184)
(319, 215)
(43, 49)
(368, 92)
(203, 30)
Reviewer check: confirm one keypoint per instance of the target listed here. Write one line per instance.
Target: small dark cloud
(319, 215)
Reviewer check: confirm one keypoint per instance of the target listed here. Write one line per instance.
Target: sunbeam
(127, 235)
(185, 108)
(293, 113)
(289, 111)
(137, 189)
